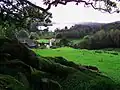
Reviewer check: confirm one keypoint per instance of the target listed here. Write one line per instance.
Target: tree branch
(42, 9)
(64, 2)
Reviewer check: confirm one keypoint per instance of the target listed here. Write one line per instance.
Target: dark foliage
(101, 39)
(21, 14)
(63, 42)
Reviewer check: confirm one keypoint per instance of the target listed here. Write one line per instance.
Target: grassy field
(43, 41)
(108, 62)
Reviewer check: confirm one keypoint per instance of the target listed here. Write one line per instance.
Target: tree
(101, 5)
(20, 10)
(66, 28)
(46, 30)
(58, 35)
(23, 34)
(20, 14)
(64, 42)
(23, 13)
(34, 35)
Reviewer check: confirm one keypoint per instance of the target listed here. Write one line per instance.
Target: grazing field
(108, 62)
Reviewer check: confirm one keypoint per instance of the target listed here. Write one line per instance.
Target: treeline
(101, 39)
(77, 31)
(81, 30)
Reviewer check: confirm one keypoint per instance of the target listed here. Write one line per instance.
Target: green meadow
(43, 41)
(108, 62)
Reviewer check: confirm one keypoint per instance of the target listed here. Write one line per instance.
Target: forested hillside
(83, 29)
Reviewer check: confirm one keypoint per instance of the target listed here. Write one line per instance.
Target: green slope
(106, 61)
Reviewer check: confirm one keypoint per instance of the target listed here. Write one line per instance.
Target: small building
(51, 41)
(46, 42)
(28, 42)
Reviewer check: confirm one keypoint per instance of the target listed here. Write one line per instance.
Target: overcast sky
(71, 13)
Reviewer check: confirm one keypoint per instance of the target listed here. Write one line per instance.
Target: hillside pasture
(108, 62)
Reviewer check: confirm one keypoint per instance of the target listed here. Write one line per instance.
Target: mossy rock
(4, 40)
(42, 81)
(55, 68)
(21, 77)
(83, 81)
(19, 51)
(14, 66)
(49, 84)
(10, 83)
(18, 69)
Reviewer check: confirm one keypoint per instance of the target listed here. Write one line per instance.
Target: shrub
(98, 51)
(59, 36)
(114, 53)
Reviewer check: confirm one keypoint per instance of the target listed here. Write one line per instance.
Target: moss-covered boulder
(43, 81)
(10, 83)
(19, 51)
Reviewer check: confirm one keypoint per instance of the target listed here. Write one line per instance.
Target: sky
(68, 15)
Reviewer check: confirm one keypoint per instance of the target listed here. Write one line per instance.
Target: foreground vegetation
(22, 69)
(107, 61)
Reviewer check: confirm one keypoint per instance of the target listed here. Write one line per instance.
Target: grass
(75, 41)
(43, 41)
(107, 62)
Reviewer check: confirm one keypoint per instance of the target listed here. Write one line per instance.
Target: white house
(51, 41)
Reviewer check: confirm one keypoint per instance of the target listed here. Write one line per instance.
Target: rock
(93, 68)
(10, 83)
(48, 84)
(19, 51)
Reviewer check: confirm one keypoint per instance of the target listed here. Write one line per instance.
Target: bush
(98, 51)
(114, 53)
(64, 42)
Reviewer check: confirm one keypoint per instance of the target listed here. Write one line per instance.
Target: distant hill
(95, 25)
(82, 29)
(113, 25)
(92, 23)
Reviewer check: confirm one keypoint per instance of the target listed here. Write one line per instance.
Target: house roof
(28, 41)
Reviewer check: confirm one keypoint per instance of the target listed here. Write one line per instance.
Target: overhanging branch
(89, 2)
(42, 9)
